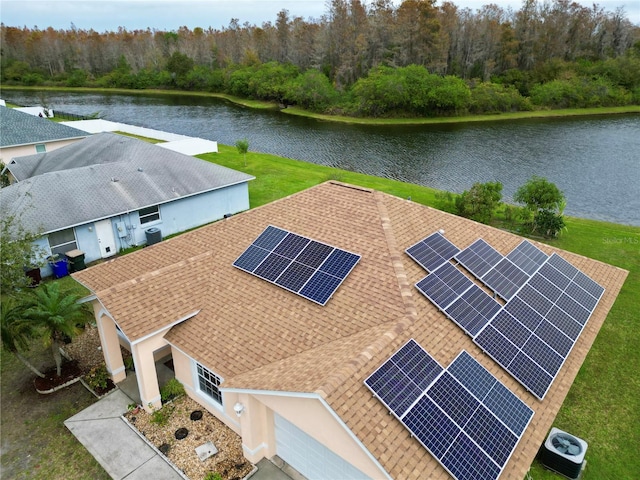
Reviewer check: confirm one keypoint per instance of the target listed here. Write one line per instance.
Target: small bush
(161, 416)
(97, 377)
(128, 363)
(445, 201)
(172, 389)
(213, 476)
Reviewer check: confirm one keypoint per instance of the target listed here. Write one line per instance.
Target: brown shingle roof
(258, 336)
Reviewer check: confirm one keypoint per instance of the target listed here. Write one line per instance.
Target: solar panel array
(466, 418)
(432, 251)
(309, 268)
(533, 334)
(549, 301)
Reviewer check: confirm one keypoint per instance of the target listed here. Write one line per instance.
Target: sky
(108, 15)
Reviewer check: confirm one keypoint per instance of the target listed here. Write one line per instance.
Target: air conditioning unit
(563, 453)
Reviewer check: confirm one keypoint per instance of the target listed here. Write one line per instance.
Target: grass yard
(35, 442)
(603, 405)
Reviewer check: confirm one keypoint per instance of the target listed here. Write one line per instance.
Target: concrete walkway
(120, 450)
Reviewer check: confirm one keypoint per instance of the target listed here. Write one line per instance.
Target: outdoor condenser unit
(563, 453)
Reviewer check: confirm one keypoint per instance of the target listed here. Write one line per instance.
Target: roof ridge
(348, 369)
(147, 275)
(396, 257)
(338, 378)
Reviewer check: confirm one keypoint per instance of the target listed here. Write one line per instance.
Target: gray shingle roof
(102, 176)
(19, 128)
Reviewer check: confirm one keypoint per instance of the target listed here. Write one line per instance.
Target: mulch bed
(99, 392)
(70, 371)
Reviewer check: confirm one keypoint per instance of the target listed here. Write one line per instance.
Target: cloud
(108, 15)
(142, 14)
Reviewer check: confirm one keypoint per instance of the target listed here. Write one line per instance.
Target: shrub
(480, 202)
(97, 377)
(161, 416)
(492, 97)
(213, 476)
(128, 364)
(172, 389)
(548, 223)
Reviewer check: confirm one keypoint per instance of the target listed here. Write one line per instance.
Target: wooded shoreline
(264, 105)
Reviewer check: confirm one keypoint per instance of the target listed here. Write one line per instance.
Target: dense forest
(365, 59)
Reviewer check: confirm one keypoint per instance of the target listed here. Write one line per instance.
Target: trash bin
(34, 274)
(59, 265)
(76, 260)
(154, 235)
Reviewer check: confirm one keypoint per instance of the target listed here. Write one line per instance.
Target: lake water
(595, 161)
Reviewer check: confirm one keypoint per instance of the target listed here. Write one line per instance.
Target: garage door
(310, 457)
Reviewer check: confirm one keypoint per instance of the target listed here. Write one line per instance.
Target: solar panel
(473, 310)
(505, 278)
(445, 285)
(528, 257)
(498, 273)
(465, 417)
(479, 258)
(432, 251)
(309, 268)
(404, 377)
(534, 333)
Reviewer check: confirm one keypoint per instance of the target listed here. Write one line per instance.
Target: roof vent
(140, 169)
(563, 453)
(114, 179)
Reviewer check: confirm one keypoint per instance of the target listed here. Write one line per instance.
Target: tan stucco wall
(185, 372)
(144, 352)
(144, 357)
(110, 343)
(256, 425)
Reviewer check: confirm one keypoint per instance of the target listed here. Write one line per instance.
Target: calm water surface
(594, 161)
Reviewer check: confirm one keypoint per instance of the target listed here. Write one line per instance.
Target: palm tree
(16, 331)
(57, 313)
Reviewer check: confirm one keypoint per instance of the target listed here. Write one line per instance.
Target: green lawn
(603, 405)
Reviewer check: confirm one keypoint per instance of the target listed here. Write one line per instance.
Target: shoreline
(300, 112)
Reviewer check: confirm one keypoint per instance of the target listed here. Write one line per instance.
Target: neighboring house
(287, 373)
(25, 134)
(102, 194)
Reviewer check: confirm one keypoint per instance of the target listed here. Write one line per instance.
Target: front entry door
(106, 239)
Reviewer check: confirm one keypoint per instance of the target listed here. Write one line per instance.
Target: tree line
(421, 59)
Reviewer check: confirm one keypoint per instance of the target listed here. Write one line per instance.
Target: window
(209, 383)
(41, 148)
(149, 214)
(62, 241)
